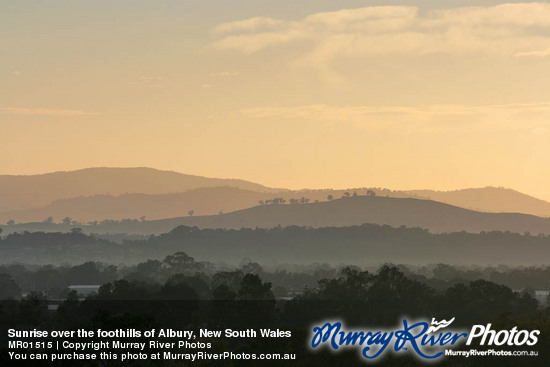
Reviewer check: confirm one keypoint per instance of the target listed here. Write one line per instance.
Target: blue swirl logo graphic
(420, 338)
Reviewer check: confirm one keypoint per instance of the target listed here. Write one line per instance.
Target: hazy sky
(419, 94)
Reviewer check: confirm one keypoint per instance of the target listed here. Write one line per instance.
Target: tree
(8, 288)
(530, 291)
(67, 221)
(191, 212)
(87, 273)
(232, 279)
(252, 268)
(179, 260)
(223, 292)
(330, 197)
(11, 222)
(76, 231)
(371, 193)
(178, 287)
(150, 267)
(252, 288)
(48, 220)
(260, 312)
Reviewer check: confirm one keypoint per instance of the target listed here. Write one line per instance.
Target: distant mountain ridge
(488, 199)
(225, 199)
(96, 194)
(426, 214)
(367, 244)
(26, 192)
(203, 201)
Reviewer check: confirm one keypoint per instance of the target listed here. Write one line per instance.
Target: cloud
(530, 117)
(43, 112)
(247, 25)
(521, 29)
(252, 43)
(539, 53)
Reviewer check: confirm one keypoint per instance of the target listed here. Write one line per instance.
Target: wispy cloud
(247, 25)
(530, 117)
(539, 53)
(43, 112)
(521, 29)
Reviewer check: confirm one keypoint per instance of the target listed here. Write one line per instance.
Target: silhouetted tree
(231, 279)
(252, 268)
(76, 231)
(8, 288)
(223, 292)
(180, 262)
(252, 288)
(178, 287)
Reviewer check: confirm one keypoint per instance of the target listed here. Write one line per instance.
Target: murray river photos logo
(429, 341)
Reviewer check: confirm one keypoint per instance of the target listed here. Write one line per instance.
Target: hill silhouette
(25, 192)
(488, 199)
(427, 214)
(202, 201)
(367, 244)
(223, 198)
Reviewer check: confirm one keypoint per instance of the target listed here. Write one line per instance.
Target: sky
(312, 94)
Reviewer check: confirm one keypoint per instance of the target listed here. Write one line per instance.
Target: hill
(428, 214)
(25, 192)
(213, 200)
(488, 199)
(368, 244)
(202, 201)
